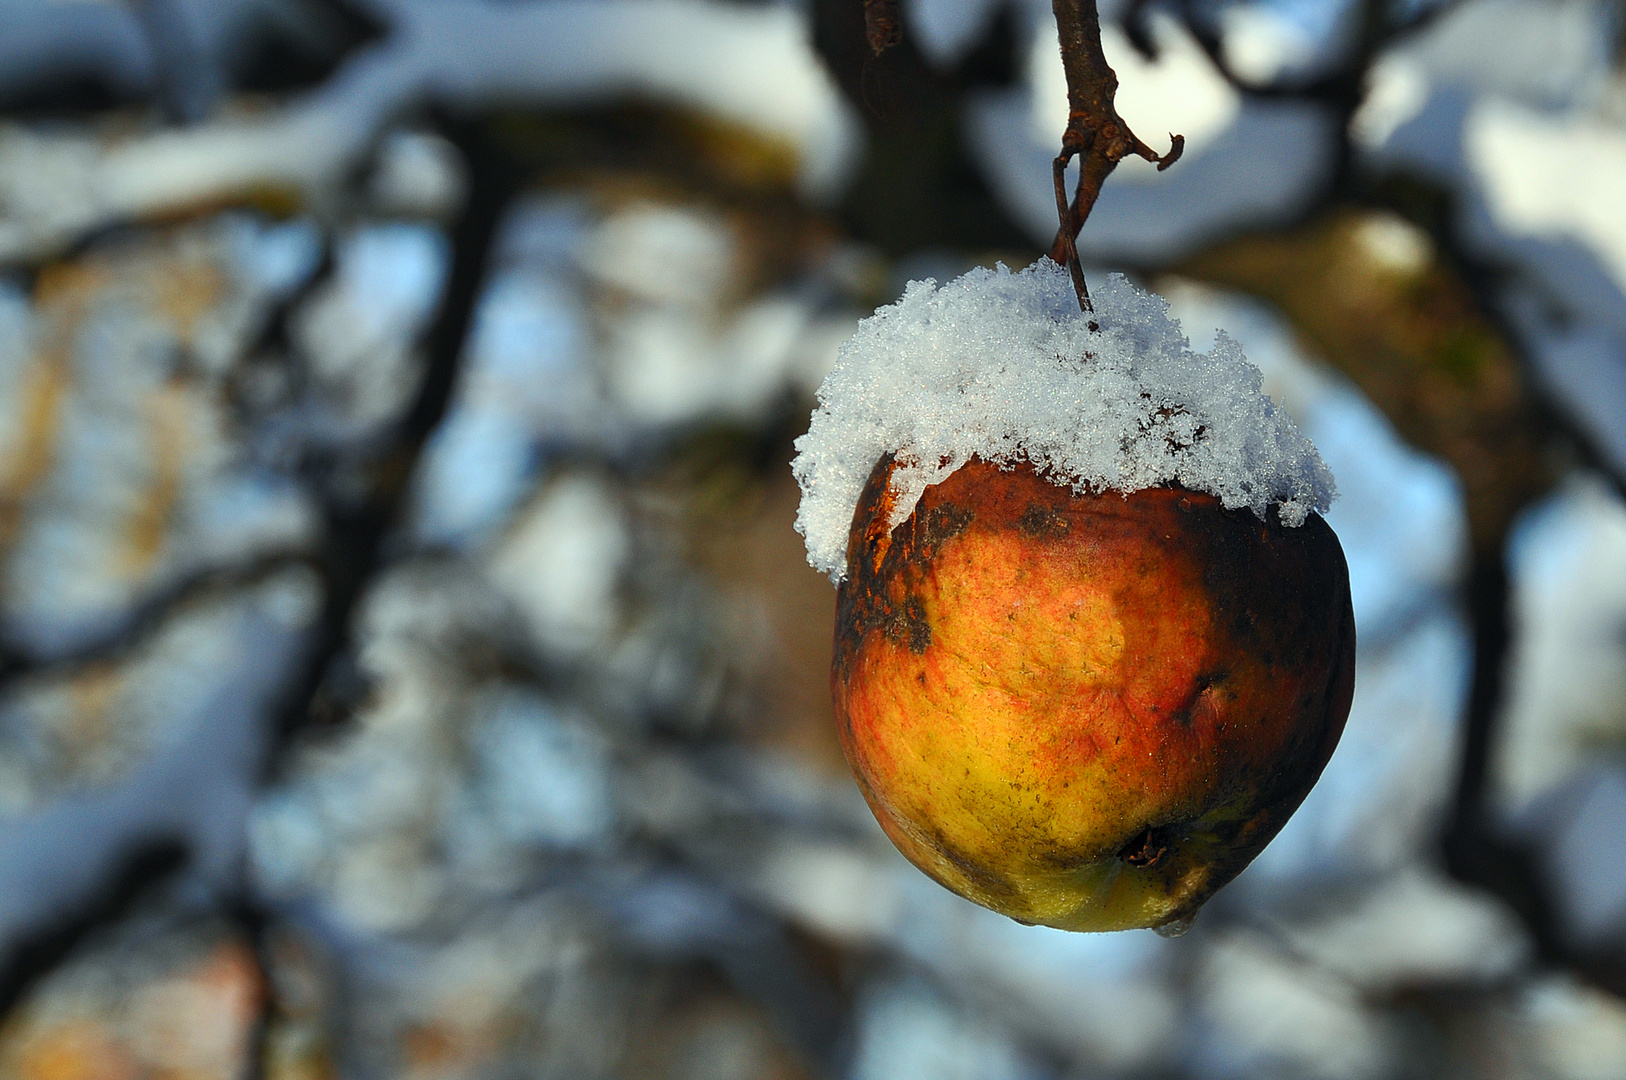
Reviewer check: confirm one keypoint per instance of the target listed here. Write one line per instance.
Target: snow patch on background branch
(751, 66)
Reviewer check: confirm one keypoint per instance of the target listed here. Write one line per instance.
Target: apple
(1088, 711)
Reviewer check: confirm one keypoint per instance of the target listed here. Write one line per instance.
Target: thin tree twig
(1378, 27)
(1096, 135)
(881, 25)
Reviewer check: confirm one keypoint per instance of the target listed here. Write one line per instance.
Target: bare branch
(881, 25)
(1095, 134)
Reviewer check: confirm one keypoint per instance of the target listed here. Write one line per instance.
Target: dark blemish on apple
(863, 608)
(991, 884)
(861, 601)
(873, 596)
(907, 625)
(942, 523)
(877, 593)
(1041, 522)
(1225, 831)
(1201, 698)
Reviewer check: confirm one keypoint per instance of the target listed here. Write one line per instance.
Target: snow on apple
(1002, 366)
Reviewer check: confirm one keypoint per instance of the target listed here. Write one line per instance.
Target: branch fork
(1096, 135)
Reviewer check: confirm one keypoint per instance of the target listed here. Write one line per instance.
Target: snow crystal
(1004, 367)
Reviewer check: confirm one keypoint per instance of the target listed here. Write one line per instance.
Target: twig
(358, 550)
(1095, 134)
(359, 530)
(1378, 26)
(881, 26)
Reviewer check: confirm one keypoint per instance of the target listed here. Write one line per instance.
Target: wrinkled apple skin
(1086, 711)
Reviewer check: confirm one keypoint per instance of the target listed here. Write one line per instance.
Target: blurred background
(408, 668)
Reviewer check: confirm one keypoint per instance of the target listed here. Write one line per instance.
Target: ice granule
(1004, 367)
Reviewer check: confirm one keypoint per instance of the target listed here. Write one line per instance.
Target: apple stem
(1095, 134)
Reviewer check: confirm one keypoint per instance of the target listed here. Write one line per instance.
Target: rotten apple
(1088, 711)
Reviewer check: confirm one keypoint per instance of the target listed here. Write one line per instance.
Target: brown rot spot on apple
(939, 524)
(906, 624)
(1039, 520)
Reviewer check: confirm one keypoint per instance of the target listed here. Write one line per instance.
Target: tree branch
(881, 25)
(1095, 134)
